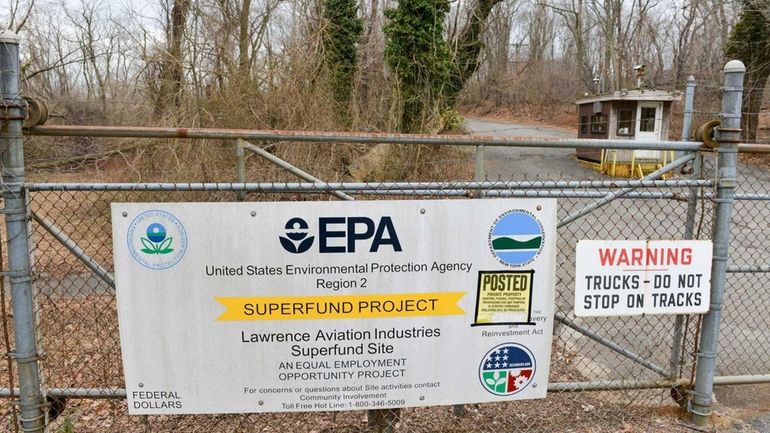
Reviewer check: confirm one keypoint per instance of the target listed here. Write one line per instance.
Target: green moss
(342, 30)
(417, 53)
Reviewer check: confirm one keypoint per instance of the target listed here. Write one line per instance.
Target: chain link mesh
(78, 331)
(744, 342)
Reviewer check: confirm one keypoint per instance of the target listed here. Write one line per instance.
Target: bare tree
(18, 14)
(574, 17)
(171, 77)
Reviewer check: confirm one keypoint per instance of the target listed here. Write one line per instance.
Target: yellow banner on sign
(341, 307)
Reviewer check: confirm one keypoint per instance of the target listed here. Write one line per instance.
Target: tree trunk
(172, 72)
(244, 62)
(468, 46)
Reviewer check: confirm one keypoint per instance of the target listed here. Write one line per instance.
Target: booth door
(648, 121)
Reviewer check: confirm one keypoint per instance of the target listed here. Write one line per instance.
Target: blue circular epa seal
(516, 238)
(507, 369)
(156, 239)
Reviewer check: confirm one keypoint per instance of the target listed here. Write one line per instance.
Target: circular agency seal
(156, 239)
(507, 369)
(516, 238)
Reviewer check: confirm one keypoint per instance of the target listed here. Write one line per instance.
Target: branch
(58, 64)
(557, 9)
(80, 158)
(26, 16)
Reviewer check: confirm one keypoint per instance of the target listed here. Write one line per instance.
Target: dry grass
(561, 116)
(557, 413)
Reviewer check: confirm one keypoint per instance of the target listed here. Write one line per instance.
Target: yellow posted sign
(504, 298)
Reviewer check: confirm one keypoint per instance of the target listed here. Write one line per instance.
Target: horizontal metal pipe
(742, 379)
(526, 193)
(516, 193)
(748, 269)
(577, 194)
(753, 148)
(376, 189)
(597, 385)
(95, 393)
(750, 197)
(353, 137)
(610, 385)
(414, 192)
(587, 194)
(359, 186)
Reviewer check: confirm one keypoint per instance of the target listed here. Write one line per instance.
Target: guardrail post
(728, 135)
(12, 115)
(689, 227)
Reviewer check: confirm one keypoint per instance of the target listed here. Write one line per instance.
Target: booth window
(584, 124)
(626, 121)
(598, 124)
(647, 120)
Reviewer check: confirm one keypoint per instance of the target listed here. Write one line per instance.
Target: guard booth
(641, 115)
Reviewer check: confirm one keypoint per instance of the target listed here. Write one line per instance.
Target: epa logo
(341, 235)
(296, 240)
(156, 239)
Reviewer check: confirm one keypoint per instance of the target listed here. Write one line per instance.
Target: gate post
(12, 115)
(689, 99)
(728, 135)
(689, 227)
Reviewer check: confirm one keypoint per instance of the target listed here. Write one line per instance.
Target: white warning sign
(634, 277)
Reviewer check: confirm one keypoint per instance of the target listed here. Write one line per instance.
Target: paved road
(514, 163)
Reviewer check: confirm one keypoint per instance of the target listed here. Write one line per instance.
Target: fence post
(728, 135)
(240, 156)
(689, 99)
(689, 228)
(12, 115)
(480, 171)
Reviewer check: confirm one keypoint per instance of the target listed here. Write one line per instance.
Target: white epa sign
(633, 277)
(266, 307)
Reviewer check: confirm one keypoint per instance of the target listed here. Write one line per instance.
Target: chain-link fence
(78, 334)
